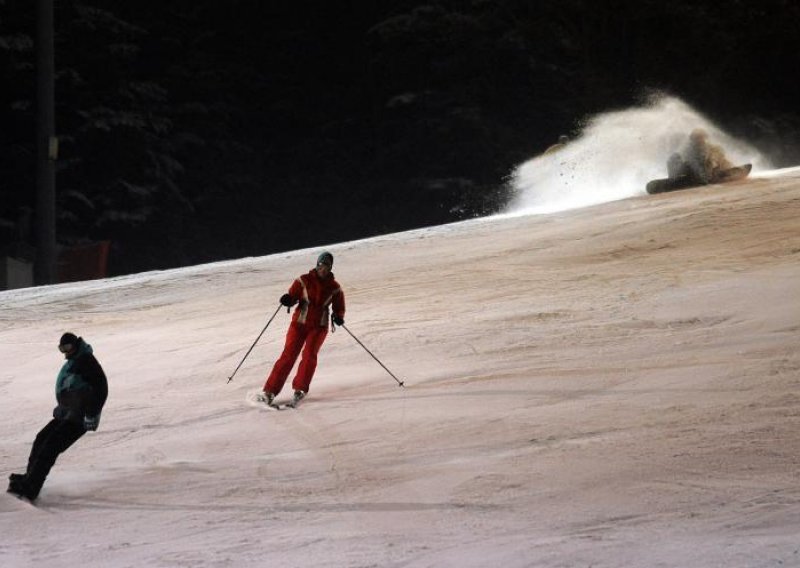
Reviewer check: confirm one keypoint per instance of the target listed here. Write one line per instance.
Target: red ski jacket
(315, 295)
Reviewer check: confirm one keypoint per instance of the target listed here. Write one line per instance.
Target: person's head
(698, 136)
(563, 139)
(324, 263)
(68, 344)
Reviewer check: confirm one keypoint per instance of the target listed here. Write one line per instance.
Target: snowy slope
(611, 386)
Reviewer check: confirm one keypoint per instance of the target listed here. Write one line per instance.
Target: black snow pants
(50, 442)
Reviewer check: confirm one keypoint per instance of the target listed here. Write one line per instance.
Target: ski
(253, 399)
(295, 402)
(270, 405)
(25, 502)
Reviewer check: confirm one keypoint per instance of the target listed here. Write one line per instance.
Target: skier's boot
(20, 488)
(298, 396)
(17, 477)
(265, 396)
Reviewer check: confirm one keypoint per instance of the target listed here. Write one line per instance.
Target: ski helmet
(68, 342)
(325, 258)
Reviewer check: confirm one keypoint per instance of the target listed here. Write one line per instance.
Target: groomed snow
(614, 386)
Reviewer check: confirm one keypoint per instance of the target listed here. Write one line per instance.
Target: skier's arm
(294, 295)
(296, 290)
(338, 304)
(93, 374)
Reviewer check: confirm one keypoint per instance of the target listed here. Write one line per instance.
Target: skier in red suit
(314, 293)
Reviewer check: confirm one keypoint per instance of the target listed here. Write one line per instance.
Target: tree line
(196, 131)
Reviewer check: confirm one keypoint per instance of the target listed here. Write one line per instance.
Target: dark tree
(194, 131)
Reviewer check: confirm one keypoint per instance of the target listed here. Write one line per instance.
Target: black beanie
(68, 339)
(325, 258)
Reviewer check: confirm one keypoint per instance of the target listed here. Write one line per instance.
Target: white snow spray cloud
(614, 157)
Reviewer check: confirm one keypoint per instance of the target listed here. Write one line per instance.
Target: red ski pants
(300, 337)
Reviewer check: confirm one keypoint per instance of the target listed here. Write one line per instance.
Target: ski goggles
(66, 348)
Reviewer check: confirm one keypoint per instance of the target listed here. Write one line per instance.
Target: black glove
(288, 301)
(91, 422)
(338, 320)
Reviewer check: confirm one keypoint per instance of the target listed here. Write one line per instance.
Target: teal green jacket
(81, 386)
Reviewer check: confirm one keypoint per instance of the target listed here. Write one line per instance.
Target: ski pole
(399, 382)
(256, 341)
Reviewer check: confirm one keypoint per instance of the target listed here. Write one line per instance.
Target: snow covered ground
(615, 154)
(614, 386)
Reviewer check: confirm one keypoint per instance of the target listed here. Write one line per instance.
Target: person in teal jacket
(81, 392)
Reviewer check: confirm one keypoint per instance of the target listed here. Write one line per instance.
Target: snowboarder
(701, 163)
(704, 162)
(314, 293)
(81, 392)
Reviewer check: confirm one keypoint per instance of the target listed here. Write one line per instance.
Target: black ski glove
(288, 301)
(91, 422)
(338, 320)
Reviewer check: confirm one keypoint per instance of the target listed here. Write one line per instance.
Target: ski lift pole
(256, 341)
(399, 382)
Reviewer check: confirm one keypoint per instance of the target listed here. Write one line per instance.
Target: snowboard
(14, 502)
(685, 181)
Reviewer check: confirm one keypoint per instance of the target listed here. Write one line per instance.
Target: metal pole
(256, 341)
(47, 146)
(399, 382)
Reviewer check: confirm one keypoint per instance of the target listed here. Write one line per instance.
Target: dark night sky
(197, 131)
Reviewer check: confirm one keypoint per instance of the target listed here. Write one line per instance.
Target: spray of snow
(614, 157)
